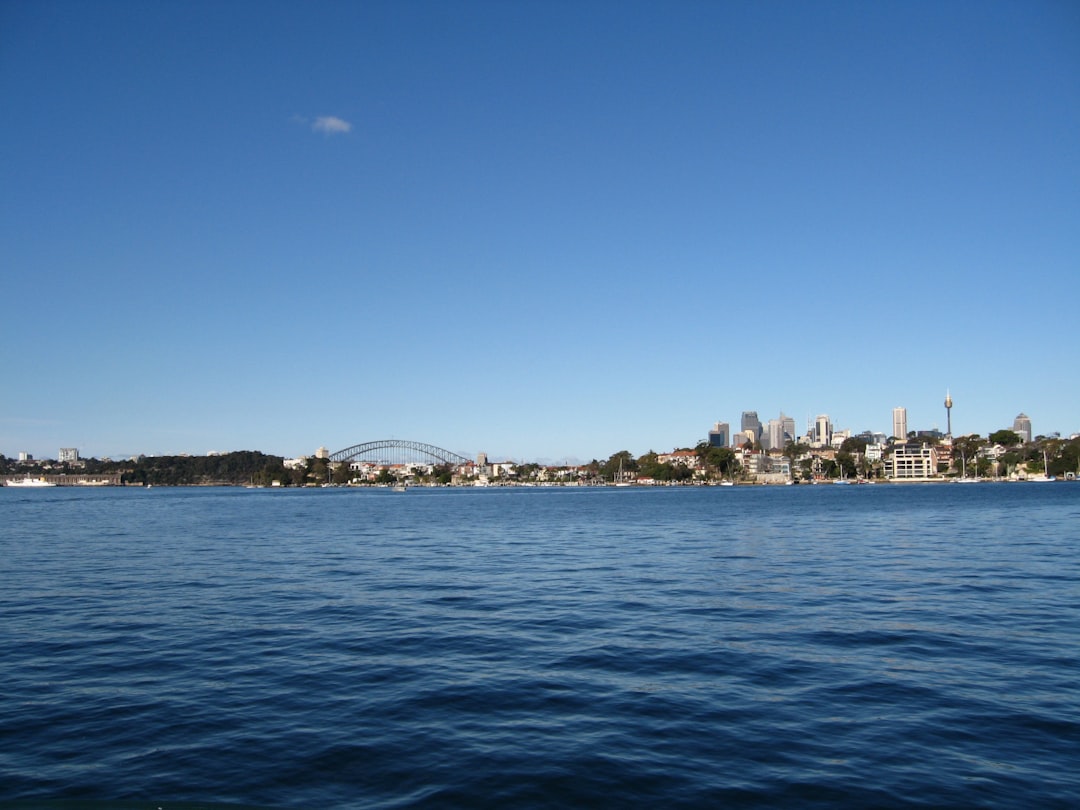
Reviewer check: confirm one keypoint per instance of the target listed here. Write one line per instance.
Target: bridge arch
(398, 451)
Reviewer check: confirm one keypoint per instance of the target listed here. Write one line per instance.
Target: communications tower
(948, 413)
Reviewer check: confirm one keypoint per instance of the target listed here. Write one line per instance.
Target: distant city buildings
(773, 438)
(899, 423)
(750, 422)
(822, 430)
(68, 454)
(720, 435)
(1022, 427)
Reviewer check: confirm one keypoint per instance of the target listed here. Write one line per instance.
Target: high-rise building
(750, 421)
(789, 428)
(68, 454)
(774, 434)
(822, 430)
(899, 423)
(1022, 427)
(720, 435)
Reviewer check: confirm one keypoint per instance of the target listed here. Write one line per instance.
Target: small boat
(400, 487)
(29, 482)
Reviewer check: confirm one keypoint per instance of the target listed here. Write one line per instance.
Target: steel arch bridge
(396, 451)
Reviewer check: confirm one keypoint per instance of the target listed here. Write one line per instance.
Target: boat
(29, 482)
(400, 487)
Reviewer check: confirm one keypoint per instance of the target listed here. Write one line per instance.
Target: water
(882, 646)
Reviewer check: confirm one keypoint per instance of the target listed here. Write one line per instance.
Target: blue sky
(544, 230)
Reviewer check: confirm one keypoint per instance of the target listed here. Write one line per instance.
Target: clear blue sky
(538, 229)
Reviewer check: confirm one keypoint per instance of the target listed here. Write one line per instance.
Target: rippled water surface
(794, 646)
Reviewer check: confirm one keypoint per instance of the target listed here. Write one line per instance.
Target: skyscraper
(899, 423)
(775, 435)
(720, 435)
(822, 429)
(750, 421)
(789, 427)
(1022, 427)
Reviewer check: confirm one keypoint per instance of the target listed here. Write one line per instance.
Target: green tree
(794, 450)
(723, 460)
(622, 460)
(845, 463)
(853, 445)
(1006, 438)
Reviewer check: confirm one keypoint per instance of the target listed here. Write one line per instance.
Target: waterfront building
(1022, 427)
(899, 423)
(720, 435)
(750, 421)
(68, 454)
(912, 461)
(685, 458)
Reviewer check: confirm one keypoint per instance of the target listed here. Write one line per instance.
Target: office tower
(822, 429)
(750, 421)
(899, 423)
(720, 435)
(789, 428)
(68, 454)
(1022, 427)
(948, 413)
(775, 435)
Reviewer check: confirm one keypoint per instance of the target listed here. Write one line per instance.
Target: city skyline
(543, 231)
(819, 429)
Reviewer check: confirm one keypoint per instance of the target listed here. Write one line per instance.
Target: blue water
(884, 646)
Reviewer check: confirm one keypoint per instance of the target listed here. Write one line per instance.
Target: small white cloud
(331, 125)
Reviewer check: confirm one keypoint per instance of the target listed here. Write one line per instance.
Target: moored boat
(29, 482)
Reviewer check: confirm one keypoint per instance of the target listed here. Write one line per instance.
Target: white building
(685, 458)
(912, 461)
(68, 454)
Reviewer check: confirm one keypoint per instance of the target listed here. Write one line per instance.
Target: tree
(1007, 438)
(853, 445)
(794, 450)
(723, 461)
(621, 460)
(845, 463)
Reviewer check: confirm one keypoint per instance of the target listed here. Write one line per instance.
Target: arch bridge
(393, 452)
